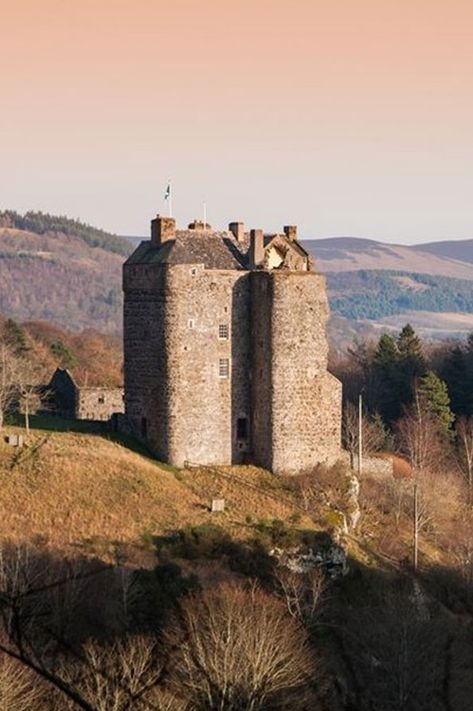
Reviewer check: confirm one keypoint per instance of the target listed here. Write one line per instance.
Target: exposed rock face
(332, 559)
(225, 350)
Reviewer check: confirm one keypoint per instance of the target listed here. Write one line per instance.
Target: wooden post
(360, 434)
(416, 526)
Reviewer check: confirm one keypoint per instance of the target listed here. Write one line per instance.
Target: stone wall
(297, 403)
(207, 328)
(98, 403)
(146, 402)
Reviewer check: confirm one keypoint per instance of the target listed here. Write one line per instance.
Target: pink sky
(346, 117)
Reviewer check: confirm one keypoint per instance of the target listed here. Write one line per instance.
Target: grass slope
(71, 489)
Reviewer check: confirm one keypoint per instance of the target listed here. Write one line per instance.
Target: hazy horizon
(344, 118)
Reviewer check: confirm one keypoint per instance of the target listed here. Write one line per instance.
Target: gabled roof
(213, 249)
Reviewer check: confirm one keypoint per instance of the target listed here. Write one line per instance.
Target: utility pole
(360, 434)
(416, 526)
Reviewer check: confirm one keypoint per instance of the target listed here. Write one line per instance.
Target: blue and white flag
(167, 194)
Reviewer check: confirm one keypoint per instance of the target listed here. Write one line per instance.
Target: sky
(345, 117)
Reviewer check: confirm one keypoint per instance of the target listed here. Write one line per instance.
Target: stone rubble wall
(299, 422)
(98, 403)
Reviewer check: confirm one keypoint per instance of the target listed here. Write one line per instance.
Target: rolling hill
(69, 273)
(341, 254)
(461, 250)
(60, 270)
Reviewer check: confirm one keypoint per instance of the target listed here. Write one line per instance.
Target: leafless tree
(373, 434)
(419, 438)
(122, 676)
(9, 376)
(238, 648)
(397, 651)
(464, 431)
(19, 688)
(303, 594)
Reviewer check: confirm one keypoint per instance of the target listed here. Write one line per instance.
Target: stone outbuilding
(226, 351)
(80, 402)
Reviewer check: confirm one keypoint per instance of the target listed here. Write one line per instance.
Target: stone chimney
(162, 230)
(256, 248)
(238, 231)
(291, 232)
(198, 225)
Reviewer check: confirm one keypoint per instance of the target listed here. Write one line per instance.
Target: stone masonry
(225, 349)
(73, 401)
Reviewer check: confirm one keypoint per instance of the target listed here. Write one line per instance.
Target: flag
(167, 194)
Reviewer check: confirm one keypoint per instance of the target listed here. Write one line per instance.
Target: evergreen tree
(433, 396)
(386, 364)
(458, 376)
(411, 362)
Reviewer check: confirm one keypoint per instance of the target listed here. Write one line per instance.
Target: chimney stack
(162, 230)
(238, 231)
(291, 232)
(256, 248)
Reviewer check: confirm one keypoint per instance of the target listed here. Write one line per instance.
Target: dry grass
(70, 490)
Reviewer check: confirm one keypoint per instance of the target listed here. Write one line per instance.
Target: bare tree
(9, 375)
(303, 593)
(397, 651)
(19, 689)
(373, 433)
(238, 648)
(464, 431)
(122, 676)
(419, 439)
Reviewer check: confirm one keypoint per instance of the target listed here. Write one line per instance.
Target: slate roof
(215, 250)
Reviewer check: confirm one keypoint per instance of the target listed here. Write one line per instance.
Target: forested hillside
(92, 357)
(42, 223)
(58, 277)
(372, 294)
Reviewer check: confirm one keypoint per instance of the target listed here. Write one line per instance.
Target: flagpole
(170, 198)
(205, 215)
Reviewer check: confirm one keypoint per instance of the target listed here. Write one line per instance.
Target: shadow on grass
(54, 423)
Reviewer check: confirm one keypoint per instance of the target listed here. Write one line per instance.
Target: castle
(226, 351)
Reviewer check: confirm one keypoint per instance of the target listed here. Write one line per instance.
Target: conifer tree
(433, 396)
(411, 362)
(459, 378)
(386, 364)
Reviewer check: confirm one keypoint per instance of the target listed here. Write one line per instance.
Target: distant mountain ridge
(341, 254)
(64, 271)
(461, 250)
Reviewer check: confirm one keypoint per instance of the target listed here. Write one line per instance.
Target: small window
(191, 324)
(101, 399)
(223, 368)
(242, 428)
(223, 331)
(193, 272)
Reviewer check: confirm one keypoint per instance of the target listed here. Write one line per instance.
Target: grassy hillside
(462, 250)
(73, 489)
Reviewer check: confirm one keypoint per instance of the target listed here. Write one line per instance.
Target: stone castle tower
(225, 349)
